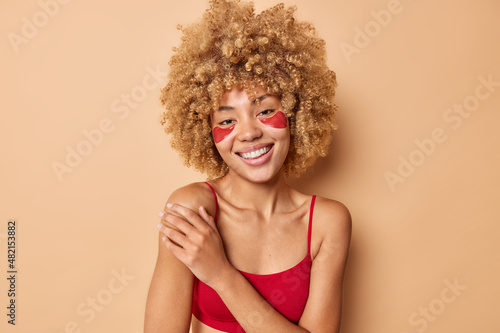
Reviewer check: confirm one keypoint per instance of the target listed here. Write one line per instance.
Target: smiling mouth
(255, 154)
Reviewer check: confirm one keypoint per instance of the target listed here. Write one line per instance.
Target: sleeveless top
(286, 291)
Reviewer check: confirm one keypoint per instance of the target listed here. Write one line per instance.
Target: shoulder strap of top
(310, 225)
(216, 204)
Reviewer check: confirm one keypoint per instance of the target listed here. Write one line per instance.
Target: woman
(249, 101)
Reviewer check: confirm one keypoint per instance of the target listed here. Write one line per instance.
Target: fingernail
(159, 226)
(161, 214)
(169, 205)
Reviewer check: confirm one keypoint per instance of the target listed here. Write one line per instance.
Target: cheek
(220, 134)
(277, 121)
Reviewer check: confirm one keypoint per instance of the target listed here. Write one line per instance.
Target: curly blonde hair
(230, 46)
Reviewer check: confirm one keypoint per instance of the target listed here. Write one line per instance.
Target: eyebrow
(225, 108)
(260, 99)
(230, 108)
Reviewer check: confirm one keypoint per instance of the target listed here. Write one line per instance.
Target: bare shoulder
(193, 196)
(332, 212)
(332, 221)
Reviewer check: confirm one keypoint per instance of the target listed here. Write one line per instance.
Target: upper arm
(169, 301)
(324, 304)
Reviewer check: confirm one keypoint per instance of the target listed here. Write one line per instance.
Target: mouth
(256, 153)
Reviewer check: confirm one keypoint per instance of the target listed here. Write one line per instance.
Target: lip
(259, 160)
(254, 148)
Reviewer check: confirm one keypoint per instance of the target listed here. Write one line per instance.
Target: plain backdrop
(86, 166)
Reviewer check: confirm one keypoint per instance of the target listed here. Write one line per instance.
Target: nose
(249, 130)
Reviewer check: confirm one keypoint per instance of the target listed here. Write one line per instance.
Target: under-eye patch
(278, 120)
(220, 134)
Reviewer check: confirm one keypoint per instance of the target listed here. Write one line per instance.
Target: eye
(226, 122)
(266, 112)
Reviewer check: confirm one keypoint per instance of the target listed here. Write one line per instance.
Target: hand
(196, 243)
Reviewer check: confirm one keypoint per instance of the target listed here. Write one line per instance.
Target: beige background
(78, 231)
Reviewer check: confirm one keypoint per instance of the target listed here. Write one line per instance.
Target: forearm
(249, 308)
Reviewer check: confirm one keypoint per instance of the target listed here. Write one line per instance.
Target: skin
(261, 229)
(278, 120)
(220, 134)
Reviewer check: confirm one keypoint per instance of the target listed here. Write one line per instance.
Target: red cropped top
(286, 291)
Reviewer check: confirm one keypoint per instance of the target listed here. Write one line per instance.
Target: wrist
(224, 279)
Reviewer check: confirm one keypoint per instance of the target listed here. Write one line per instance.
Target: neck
(262, 197)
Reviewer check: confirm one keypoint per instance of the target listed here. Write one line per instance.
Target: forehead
(238, 97)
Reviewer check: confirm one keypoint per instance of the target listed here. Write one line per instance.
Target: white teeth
(255, 153)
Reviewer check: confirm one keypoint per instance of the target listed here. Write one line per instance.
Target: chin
(257, 176)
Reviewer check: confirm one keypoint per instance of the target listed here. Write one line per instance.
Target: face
(253, 139)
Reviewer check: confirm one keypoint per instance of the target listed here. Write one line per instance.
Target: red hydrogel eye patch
(220, 134)
(277, 121)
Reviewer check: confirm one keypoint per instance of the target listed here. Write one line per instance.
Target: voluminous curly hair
(232, 47)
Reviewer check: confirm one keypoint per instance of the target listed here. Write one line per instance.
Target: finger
(175, 236)
(189, 214)
(163, 215)
(204, 215)
(176, 250)
(179, 224)
(164, 222)
(163, 227)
